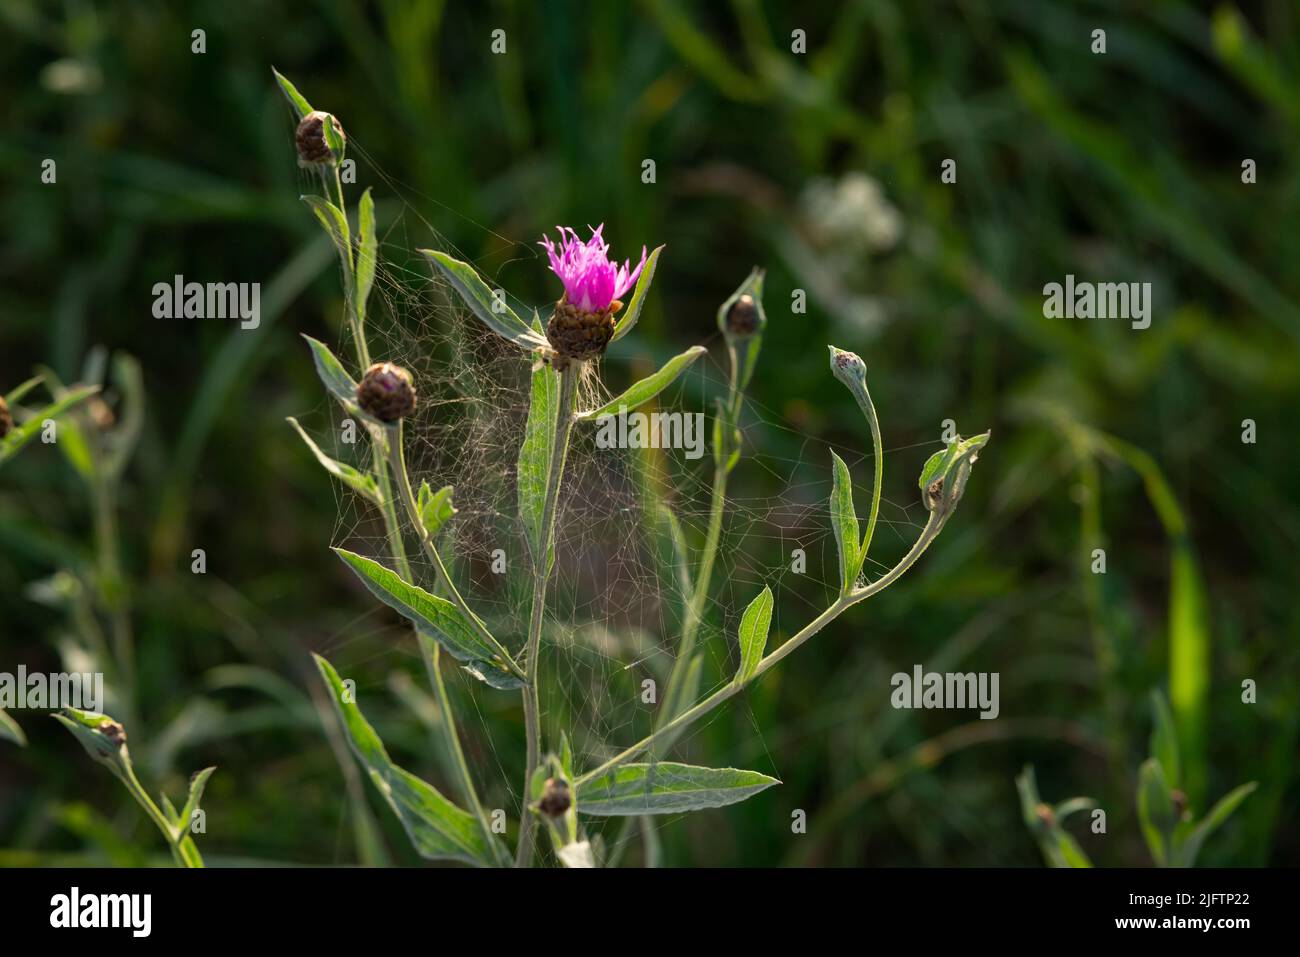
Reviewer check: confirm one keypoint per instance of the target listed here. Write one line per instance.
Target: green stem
(541, 576)
(430, 650)
(770, 661)
(113, 587)
(398, 460)
(174, 837)
(869, 410)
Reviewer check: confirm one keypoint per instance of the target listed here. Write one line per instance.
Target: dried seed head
(555, 798)
(742, 317)
(386, 392)
(577, 334)
(313, 145)
(6, 420)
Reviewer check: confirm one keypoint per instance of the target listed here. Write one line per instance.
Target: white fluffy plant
(588, 317)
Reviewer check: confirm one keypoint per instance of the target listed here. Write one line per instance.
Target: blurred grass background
(822, 167)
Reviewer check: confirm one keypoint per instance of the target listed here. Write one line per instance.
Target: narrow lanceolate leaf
(649, 387)
(754, 625)
(491, 311)
(844, 521)
(1164, 740)
(435, 507)
(16, 394)
(296, 99)
(197, 784)
(9, 730)
(22, 434)
(535, 454)
(333, 376)
(356, 480)
(1191, 846)
(335, 223)
(667, 788)
(1156, 812)
(437, 828)
(633, 313)
(434, 617)
(367, 251)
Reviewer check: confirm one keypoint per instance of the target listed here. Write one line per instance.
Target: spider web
(614, 611)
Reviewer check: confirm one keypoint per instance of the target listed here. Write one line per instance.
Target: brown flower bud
(1045, 814)
(555, 798)
(313, 146)
(742, 317)
(6, 420)
(386, 392)
(576, 334)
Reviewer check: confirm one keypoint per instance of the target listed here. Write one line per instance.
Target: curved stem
(770, 661)
(431, 652)
(398, 460)
(541, 576)
(869, 410)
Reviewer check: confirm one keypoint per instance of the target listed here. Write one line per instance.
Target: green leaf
(1156, 811)
(649, 387)
(434, 617)
(633, 312)
(126, 435)
(335, 223)
(332, 374)
(20, 435)
(198, 782)
(16, 394)
(296, 99)
(535, 455)
(667, 788)
(491, 310)
(354, 479)
(367, 251)
(435, 507)
(1186, 853)
(1164, 740)
(754, 625)
(438, 829)
(9, 730)
(844, 521)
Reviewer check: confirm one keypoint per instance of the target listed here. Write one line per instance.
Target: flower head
(386, 392)
(592, 281)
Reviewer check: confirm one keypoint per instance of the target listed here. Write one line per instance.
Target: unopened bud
(386, 392)
(312, 141)
(555, 801)
(6, 420)
(742, 317)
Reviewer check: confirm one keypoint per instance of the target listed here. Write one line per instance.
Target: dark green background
(1117, 167)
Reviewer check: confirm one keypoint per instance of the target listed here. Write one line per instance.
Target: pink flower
(591, 279)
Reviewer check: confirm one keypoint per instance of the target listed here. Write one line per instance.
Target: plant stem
(191, 858)
(541, 576)
(113, 586)
(398, 460)
(430, 650)
(770, 661)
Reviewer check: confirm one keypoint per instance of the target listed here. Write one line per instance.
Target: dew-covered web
(614, 608)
